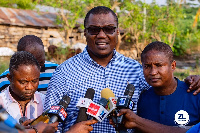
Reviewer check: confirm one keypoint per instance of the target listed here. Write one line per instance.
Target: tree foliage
(21, 4)
(142, 23)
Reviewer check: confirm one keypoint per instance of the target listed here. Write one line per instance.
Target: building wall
(10, 35)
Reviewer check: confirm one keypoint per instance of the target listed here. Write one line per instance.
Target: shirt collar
(12, 100)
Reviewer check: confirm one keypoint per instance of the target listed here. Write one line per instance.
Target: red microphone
(57, 112)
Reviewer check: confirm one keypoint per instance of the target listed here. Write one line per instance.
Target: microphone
(82, 116)
(97, 110)
(57, 112)
(9, 120)
(124, 103)
(112, 100)
(105, 105)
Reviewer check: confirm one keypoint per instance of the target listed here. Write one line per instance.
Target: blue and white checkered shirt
(77, 74)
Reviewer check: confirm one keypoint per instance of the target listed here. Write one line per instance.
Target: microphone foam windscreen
(65, 101)
(129, 90)
(106, 93)
(90, 93)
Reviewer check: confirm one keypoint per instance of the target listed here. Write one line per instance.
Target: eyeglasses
(94, 30)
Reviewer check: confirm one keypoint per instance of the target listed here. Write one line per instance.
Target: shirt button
(162, 98)
(162, 112)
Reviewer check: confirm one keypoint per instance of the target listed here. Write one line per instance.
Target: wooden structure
(16, 23)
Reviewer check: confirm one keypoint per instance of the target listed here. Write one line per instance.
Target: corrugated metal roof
(27, 17)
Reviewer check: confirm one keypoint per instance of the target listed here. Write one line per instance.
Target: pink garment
(33, 109)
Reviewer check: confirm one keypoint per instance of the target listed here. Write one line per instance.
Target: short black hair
(158, 46)
(22, 58)
(99, 10)
(28, 40)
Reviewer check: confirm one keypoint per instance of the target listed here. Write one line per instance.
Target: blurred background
(59, 23)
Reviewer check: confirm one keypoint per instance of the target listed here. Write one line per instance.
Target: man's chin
(103, 54)
(24, 98)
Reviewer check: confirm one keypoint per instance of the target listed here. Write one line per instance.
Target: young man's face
(24, 81)
(157, 69)
(101, 44)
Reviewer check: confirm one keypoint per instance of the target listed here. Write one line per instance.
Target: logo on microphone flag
(54, 109)
(111, 105)
(83, 102)
(62, 114)
(93, 109)
(97, 111)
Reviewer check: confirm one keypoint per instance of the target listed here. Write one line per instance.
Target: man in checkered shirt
(99, 66)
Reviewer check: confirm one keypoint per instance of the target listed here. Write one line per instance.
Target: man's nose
(154, 70)
(101, 34)
(29, 86)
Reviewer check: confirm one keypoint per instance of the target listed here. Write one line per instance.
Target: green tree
(21, 4)
(131, 19)
(69, 12)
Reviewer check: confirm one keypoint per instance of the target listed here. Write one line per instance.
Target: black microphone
(82, 116)
(9, 120)
(57, 112)
(124, 102)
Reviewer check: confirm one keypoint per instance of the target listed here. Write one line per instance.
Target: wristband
(35, 129)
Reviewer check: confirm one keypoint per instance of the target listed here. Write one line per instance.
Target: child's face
(157, 68)
(24, 81)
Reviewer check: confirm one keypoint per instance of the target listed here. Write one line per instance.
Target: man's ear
(9, 77)
(173, 65)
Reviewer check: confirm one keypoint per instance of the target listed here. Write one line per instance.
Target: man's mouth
(102, 45)
(154, 79)
(28, 93)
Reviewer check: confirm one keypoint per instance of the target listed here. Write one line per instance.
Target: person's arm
(82, 127)
(194, 82)
(41, 127)
(131, 120)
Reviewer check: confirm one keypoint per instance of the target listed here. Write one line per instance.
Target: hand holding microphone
(82, 116)
(55, 113)
(104, 107)
(82, 127)
(124, 102)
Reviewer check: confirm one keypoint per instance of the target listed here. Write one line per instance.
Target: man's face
(38, 52)
(157, 68)
(102, 43)
(24, 81)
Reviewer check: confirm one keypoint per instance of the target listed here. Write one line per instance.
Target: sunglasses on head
(94, 30)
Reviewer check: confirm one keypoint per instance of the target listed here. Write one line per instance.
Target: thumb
(122, 111)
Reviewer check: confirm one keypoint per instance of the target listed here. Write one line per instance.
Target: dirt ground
(188, 61)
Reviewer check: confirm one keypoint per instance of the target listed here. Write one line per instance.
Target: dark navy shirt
(162, 109)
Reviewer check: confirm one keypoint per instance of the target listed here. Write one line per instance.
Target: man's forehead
(101, 19)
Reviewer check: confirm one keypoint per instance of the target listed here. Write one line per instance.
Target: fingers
(55, 124)
(194, 81)
(197, 91)
(27, 122)
(89, 128)
(122, 111)
(188, 79)
(90, 122)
